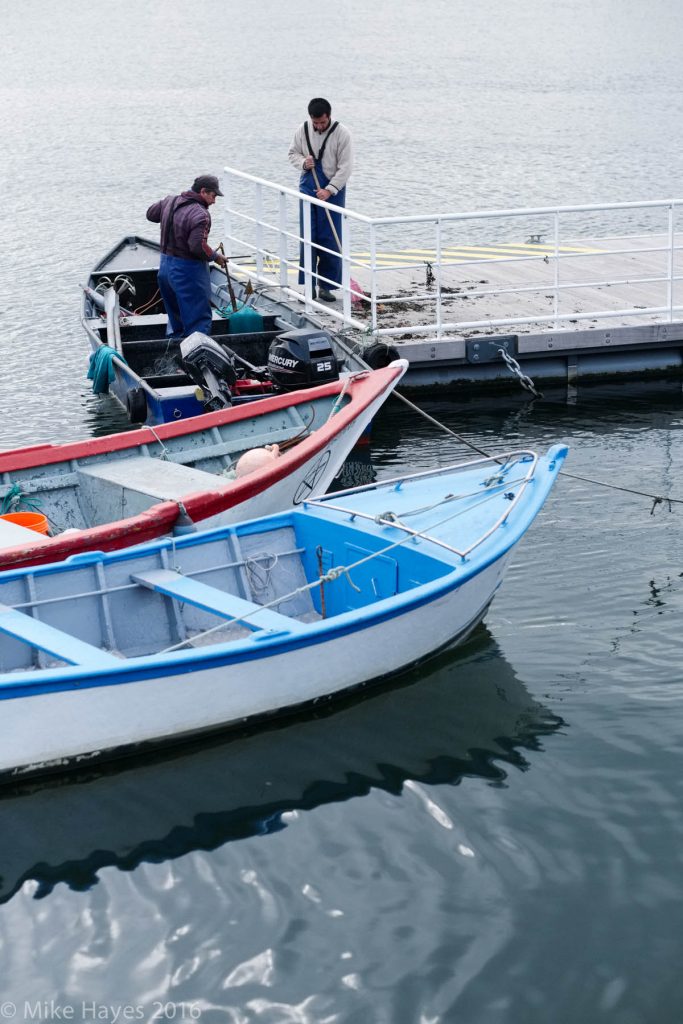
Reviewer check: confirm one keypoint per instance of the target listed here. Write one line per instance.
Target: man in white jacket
(321, 151)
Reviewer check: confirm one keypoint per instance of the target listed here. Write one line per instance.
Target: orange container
(31, 520)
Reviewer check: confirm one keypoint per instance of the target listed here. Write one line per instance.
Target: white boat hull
(50, 730)
(314, 477)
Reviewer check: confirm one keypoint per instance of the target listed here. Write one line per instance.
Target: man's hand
(323, 193)
(220, 259)
(308, 163)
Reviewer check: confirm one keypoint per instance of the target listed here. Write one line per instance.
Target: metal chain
(514, 367)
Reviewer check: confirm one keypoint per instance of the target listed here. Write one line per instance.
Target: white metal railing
(418, 264)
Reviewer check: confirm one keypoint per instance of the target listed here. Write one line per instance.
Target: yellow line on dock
(486, 252)
(402, 257)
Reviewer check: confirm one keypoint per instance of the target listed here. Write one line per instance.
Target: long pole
(231, 292)
(329, 216)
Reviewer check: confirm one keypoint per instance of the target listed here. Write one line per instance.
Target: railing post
(308, 283)
(438, 278)
(346, 267)
(282, 244)
(672, 246)
(556, 285)
(227, 219)
(373, 277)
(259, 228)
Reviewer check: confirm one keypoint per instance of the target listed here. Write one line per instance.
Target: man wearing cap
(183, 276)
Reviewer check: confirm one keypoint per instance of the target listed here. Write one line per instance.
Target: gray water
(497, 837)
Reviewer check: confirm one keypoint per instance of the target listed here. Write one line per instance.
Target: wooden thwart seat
(53, 641)
(183, 588)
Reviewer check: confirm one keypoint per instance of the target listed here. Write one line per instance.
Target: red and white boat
(110, 492)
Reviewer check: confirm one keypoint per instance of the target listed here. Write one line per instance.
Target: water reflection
(103, 415)
(357, 471)
(464, 714)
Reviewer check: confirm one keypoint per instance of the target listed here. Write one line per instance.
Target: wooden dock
(567, 291)
(555, 334)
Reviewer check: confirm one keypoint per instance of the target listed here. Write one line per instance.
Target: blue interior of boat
(373, 576)
(93, 609)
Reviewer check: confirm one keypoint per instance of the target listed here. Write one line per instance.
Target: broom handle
(231, 292)
(329, 216)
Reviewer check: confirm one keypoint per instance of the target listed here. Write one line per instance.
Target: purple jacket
(185, 224)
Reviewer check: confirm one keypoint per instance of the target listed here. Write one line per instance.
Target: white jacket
(337, 158)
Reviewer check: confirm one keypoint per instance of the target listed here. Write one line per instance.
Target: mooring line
(657, 499)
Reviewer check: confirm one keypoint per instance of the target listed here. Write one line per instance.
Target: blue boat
(105, 653)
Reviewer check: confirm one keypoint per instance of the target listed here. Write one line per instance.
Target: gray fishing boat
(258, 345)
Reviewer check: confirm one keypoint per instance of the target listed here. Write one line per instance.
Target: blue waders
(186, 290)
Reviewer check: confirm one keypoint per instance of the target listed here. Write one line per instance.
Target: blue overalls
(323, 265)
(185, 287)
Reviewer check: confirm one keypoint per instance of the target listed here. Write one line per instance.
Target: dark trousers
(185, 287)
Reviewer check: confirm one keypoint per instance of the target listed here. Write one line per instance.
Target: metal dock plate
(486, 350)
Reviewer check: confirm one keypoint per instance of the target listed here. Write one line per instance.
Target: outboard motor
(302, 359)
(210, 367)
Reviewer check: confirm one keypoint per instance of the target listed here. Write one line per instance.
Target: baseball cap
(209, 182)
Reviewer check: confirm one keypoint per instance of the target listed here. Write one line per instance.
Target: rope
(227, 311)
(259, 575)
(147, 305)
(657, 499)
(340, 570)
(442, 426)
(391, 517)
(332, 574)
(16, 499)
(340, 397)
(164, 449)
(304, 432)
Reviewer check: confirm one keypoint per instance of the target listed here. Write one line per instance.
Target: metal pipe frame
(265, 258)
